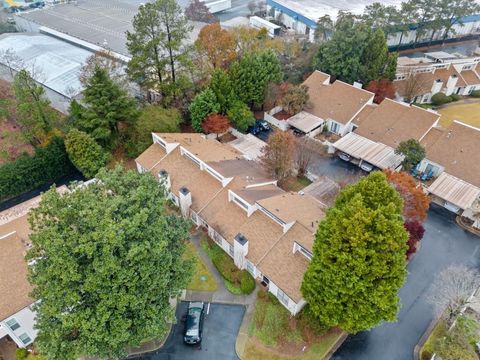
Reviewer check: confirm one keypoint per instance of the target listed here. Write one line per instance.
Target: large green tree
(153, 118)
(358, 262)
(108, 259)
(222, 86)
(241, 115)
(33, 111)
(356, 52)
(84, 152)
(204, 104)
(251, 75)
(106, 105)
(413, 151)
(158, 46)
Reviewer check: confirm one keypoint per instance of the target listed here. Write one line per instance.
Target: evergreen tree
(157, 42)
(358, 262)
(240, 115)
(204, 104)
(106, 104)
(251, 75)
(222, 87)
(377, 60)
(108, 259)
(33, 111)
(83, 151)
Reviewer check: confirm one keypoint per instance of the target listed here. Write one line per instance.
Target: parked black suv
(194, 323)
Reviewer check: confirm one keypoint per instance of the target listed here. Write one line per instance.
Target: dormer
(169, 147)
(302, 250)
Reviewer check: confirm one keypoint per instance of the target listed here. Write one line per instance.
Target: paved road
(444, 243)
(219, 334)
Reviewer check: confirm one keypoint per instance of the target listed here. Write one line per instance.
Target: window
(192, 158)
(211, 172)
(250, 268)
(272, 216)
(282, 297)
(13, 324)
(240, 202)
(25, 338)
(334, 127)
(230, 250)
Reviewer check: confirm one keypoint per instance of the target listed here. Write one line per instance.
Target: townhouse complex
(17, 317)
(267, 231)
(418, 79)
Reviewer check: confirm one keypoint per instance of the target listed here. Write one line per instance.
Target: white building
(17, 317)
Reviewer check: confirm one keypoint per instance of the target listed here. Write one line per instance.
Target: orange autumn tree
(215, 124)
(416, 202)
(216, 45)
(278, 155)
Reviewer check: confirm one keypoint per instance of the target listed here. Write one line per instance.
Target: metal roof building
(53, 63)
(102, 23)
(454, 190)
(380, 155)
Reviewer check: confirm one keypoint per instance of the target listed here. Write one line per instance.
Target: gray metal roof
(103, 23)
(54, 63)
(378, 154)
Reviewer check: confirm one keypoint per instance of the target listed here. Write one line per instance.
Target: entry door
(265, 281)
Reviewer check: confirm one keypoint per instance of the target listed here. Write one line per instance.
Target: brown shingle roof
(285, 268)
(151, 156)
(183, 172)
(14, 286)
(206, 149)
(338, 101)
(471, 77)
(291, 206)
(392, 122)
(458, 150)
(425, 81)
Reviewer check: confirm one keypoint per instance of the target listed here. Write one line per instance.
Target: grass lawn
(467, 113)
(438, 332)
(295, 184)
(276, 335)
(202, 279)
(236, 281)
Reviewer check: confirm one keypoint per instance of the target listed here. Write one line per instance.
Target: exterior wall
(292, 20)
(471, 26)
(336, 127)
(58, 101)
(281, 124)
(26, 319)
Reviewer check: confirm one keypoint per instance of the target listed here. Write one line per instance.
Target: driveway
(444, 243)
(219, 335)
(335, 168)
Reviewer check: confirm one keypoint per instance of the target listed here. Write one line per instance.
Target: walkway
(223, 296)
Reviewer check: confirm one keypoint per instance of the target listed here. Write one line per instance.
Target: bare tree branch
(452, 290)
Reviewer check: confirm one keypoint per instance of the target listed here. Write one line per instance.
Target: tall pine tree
(106, 105)
(358, 262)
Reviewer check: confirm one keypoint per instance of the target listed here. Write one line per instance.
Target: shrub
(84, 152)
(455, 97)
(247, 282)
(475, 93)
(29, 172)
(440, 99)
(21, 354)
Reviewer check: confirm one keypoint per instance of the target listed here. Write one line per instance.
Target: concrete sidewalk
(223, 296)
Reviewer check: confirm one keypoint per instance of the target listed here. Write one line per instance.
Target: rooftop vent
(162, 172)
(184, 190)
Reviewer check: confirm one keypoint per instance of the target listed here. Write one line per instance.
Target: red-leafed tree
(382, 89)
(215, 124)
(416, 202)
(415, 231)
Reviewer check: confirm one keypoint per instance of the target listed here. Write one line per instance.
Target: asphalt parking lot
(219, 335)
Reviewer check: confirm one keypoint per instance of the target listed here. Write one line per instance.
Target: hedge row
(29, 172)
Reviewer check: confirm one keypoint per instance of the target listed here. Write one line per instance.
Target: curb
(140, 353)
(424, 338)
(336, 346)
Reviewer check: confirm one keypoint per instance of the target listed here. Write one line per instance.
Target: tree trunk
(400, 41)
(158, 69)
(170, 52)
(431, 37)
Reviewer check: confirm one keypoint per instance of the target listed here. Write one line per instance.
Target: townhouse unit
(333, 103)
(267, 231)
(418, 81)
(17, 317)
(453, 158)
(379, 129)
